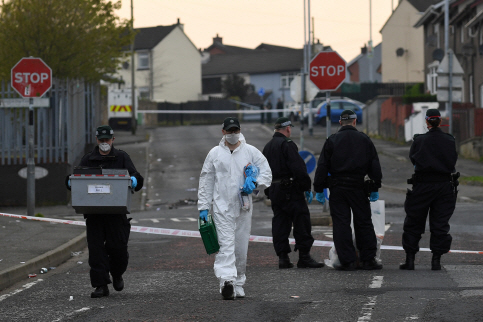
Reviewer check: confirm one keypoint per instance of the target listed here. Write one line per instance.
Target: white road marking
(25, 287)
(368, 308)
(70, 314)
(376, 282)
(412, 318)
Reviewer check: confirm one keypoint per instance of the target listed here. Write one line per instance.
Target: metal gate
(62, 130)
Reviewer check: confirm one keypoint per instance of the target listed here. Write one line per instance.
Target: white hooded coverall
(221, 178)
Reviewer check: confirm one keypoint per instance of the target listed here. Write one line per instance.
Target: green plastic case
(208, 235)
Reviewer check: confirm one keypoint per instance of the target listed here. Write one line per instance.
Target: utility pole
(370, 53)
(133, 92)
(449, 106)
(302, 79)
(307, 61)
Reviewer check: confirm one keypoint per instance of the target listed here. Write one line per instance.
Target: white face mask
(232, 138)
(104, 147)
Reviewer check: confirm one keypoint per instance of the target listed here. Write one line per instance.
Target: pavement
(28, 246)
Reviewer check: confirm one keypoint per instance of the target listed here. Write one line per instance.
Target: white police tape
(214, 111)
(191, 233)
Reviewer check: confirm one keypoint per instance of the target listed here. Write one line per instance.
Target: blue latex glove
(204, 215)
(68, 183)
(374, 196)
(249, 185)
(134, 182)
(320, 197)
(309, 196)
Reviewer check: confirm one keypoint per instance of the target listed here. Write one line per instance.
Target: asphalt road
(171, 278)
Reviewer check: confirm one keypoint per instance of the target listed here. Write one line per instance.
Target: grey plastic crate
(107, 193)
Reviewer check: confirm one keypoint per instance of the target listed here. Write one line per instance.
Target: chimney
(364, 50)
(218, 39)
(180, 24)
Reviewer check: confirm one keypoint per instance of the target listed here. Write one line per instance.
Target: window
(144, 93)
(143, 60)
(286, 79)
(436, 33)
(432, 78)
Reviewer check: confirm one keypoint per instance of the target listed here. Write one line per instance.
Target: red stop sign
(31, 77)
(327, 70)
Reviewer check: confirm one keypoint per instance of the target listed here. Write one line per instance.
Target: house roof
(268, 47)
(227, 49)
(422, 5)
(148, 38)
(362, 55)
(255, 62)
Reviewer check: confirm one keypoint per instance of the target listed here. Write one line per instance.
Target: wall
(49, 190)
(399, 33)
(393, 115)
(177, 69)
(371, 114)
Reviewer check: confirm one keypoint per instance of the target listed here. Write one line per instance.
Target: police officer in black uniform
(108, 234)
(290, 182)
(434, 157)
(350, 155)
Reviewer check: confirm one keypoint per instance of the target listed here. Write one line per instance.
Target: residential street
(170, 278)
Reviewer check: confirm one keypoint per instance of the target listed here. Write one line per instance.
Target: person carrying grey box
(108, 234)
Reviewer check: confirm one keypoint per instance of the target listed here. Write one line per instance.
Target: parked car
(336, 108)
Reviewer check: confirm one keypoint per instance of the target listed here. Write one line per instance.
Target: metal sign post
(31, 163)
(327, 117)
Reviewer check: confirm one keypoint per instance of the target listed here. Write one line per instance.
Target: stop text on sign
(31, 77)
(330, 70)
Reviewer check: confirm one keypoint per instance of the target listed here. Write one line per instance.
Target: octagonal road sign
(327, 70)
(31, 77)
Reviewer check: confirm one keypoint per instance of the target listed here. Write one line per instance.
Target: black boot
(284, 261)
(118, 283)
(306, 261)
(409, 264)
(100, 292)
(371, 264)
(435, 262)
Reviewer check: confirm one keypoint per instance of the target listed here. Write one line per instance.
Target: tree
(234, 86)
(76, 38)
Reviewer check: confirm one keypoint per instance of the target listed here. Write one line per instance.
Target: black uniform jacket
(434, 152)
(347, 153)
(285, 163)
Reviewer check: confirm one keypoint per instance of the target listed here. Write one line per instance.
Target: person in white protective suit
(221, 180)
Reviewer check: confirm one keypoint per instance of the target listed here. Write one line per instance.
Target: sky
(342, 24)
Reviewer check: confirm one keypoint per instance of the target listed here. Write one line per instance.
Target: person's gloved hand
(134, 182)
(309, 196)
(374, 196)
(204, 215)
(320, 197)
(68, 183)
(249, 185)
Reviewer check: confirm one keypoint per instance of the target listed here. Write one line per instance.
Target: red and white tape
(192, 233)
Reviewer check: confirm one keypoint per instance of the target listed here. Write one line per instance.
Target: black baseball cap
(347, 115)
(104, 132)
(230, 122)
(282, 122)
(432, 113)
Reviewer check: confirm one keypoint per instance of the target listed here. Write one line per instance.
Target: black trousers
(286, 214)
(107, 238)
(437, 198)
(342, 201)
